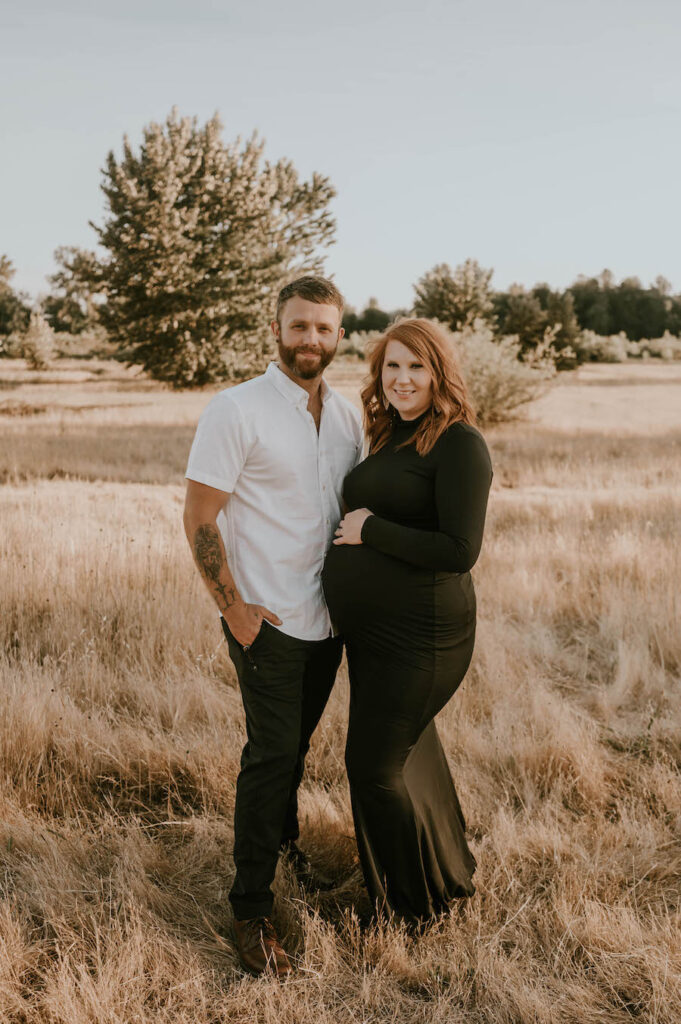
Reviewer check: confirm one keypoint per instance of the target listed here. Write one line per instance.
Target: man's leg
(271, 678)
(321, 666)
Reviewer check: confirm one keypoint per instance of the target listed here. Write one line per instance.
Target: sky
(540, 137)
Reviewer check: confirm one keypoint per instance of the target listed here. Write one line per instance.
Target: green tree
(521, 314)
(350, 320)
(77, 283)
(373, 318)
(674, 316)
(540, 317)
(457, 298)
(592, 303)
(200, 236)
(14, 311)
(560, 316)
(607, 308)
(662, 285)
(639, 312)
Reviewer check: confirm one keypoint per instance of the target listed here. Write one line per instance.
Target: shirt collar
(292, 391)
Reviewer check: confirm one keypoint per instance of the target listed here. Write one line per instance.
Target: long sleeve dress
(404, 601)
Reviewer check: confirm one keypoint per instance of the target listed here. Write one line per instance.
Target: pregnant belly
(364, 587)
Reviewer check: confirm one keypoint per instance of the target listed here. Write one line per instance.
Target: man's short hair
(314, 289)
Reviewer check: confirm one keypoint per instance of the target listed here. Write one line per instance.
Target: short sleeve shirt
(258, 442)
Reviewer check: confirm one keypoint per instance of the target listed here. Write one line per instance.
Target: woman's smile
(407, 383)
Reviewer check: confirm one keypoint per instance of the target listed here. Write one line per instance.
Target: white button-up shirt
(258, 442)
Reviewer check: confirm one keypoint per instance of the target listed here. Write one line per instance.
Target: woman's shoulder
(460, 433)
(462, 439)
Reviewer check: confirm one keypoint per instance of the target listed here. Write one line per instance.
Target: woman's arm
(462, 481)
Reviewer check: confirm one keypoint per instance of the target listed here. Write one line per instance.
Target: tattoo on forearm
(228, 596)
(210, 561)
(208, 552)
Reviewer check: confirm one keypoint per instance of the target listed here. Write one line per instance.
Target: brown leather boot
(259, 948)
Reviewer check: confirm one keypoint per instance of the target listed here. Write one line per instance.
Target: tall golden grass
(121, 729)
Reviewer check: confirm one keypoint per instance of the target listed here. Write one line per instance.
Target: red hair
(450, 402)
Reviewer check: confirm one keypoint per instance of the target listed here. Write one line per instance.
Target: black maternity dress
(404, 601)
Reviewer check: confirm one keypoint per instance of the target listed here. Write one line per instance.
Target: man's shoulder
(245, 394)
(246, 388)
(236, 408)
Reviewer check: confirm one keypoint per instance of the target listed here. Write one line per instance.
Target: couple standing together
(304, 545)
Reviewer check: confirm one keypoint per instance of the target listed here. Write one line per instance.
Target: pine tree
(458, 298)
(200, 237)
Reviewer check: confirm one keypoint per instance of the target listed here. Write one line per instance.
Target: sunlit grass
(121, 729)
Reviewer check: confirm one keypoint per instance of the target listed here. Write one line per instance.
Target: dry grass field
(121, 729)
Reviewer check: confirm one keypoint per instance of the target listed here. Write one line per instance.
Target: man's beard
(289, 355)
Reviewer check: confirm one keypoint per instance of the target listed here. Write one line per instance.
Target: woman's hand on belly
(350, 527)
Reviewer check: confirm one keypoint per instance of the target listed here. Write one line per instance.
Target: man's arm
(201, 508)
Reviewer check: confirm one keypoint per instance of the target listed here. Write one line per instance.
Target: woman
(398, 587)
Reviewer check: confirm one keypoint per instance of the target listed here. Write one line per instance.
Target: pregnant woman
(398, 586)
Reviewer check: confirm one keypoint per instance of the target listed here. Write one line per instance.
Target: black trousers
(285, 684)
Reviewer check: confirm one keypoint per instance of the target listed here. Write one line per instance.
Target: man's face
(307, 336)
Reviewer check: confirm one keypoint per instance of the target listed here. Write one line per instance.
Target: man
(265, 474)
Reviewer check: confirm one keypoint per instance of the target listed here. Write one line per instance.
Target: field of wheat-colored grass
(121, 729)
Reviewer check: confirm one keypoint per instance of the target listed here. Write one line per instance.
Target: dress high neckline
(408, 426)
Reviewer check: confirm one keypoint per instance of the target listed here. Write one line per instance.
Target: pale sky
(541, 138)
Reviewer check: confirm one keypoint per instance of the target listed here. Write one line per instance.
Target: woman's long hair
(450, 402)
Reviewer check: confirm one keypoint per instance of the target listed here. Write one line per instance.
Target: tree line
(199, 235)
(539, 316)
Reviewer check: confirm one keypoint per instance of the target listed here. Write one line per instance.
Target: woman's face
(407, 383)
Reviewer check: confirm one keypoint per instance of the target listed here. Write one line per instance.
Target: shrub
(617, 348)
(355, 343)
(12, 345)
(666, 347)
(37, 347)
(601, 348)
(497, 380)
